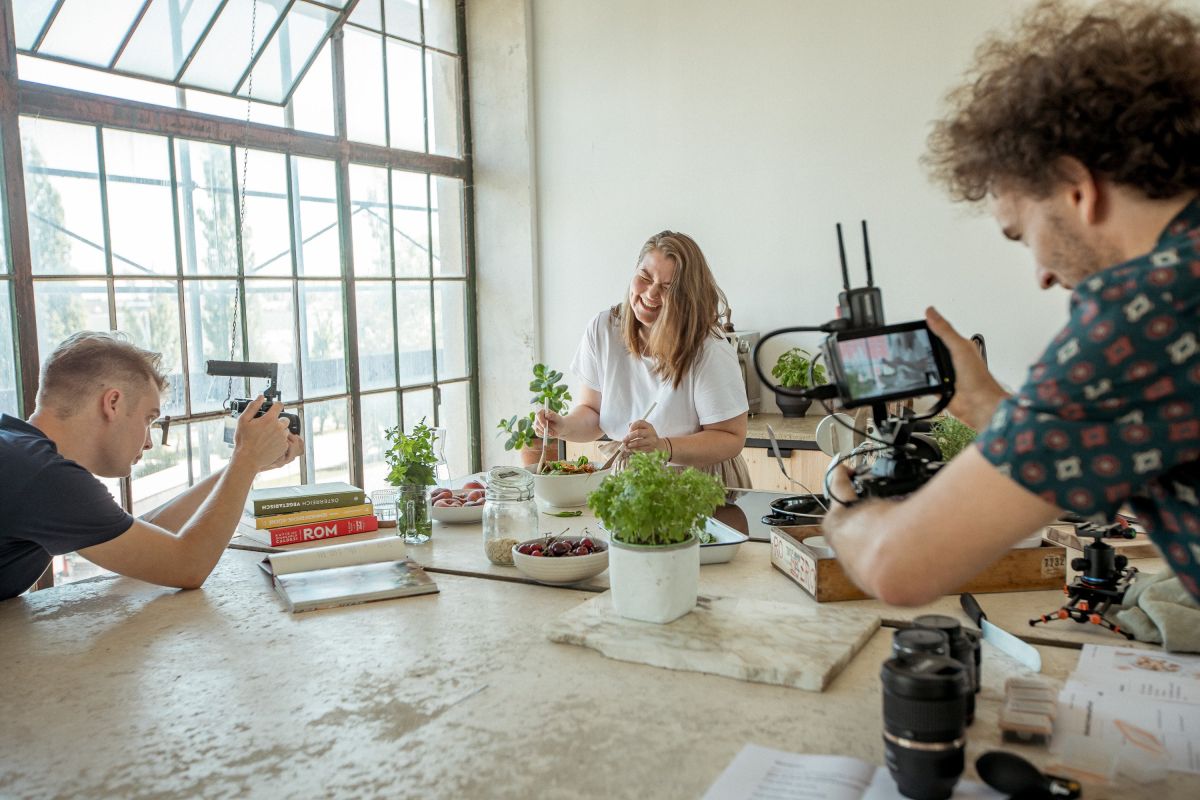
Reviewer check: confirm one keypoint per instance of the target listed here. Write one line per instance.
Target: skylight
(195, 44)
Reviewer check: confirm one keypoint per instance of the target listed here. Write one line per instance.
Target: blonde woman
(662, 347)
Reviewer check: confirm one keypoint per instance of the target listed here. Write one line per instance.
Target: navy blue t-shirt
(49, 505)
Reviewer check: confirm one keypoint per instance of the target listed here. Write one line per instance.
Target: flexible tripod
(1103, 578)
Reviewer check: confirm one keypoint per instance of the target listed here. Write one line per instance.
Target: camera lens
(924, 700)
(962, 648)
(912, 642)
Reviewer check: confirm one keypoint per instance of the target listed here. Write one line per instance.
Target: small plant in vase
(549, 394)
(411, 458)
(792, 371)
(655, 515)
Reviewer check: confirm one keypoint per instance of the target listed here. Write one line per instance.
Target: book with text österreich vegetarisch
(305, 517)
(311, 497)
(311, 531)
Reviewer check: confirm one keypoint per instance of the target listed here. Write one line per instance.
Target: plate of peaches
(457, 506)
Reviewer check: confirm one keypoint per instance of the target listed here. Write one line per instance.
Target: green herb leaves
(648, 503)
(792, 369)
(548, 393)
(411, 456)
(952, 436)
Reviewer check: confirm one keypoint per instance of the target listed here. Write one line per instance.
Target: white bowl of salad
(566, 484)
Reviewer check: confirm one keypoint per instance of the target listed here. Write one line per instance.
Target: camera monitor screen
(890, 363)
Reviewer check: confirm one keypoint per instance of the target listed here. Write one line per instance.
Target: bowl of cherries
(561, 560)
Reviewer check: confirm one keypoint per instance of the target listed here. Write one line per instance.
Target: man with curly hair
(1081, 131)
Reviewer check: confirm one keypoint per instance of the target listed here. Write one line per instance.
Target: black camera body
(873, 364)
(253, 369)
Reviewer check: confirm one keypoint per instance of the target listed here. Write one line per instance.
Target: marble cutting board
(752, 640)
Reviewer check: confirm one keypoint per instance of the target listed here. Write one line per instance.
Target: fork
(779, 461)
(622, 448)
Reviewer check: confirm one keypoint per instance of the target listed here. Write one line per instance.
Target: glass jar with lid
(510, 514)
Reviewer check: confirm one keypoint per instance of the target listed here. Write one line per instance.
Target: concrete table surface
(115, 688)
(459, 550)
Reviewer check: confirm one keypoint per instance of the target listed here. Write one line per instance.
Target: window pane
(162, 473)
(376, 335)
(327, 441)
(410, 222)
(402, 18)
(369, 14)
(28, 19)
(97, 81)
(318, 240)
(209, 309)
(447, 224)
(441, 77)
(369, 221)
(364, 86)
(450, 311)
(62, 190)
(379, 412)
(233, 107)
(208, 451)
(165, 36)
(454, 414)
(149, 312)
(78, 33)
(266, 231)
(417, 406)
(322, 334)
(137, 176)
(441, 27)
(206, 222)
(66, 307)
(312, 101)
(406, 107)
(271, 320)
(8, 361)
(294, 43)
(225, 53)
(414, 334)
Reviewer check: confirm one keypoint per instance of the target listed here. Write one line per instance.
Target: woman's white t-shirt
(711, 392)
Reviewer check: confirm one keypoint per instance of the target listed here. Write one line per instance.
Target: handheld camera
(252, 369)
(873, 364)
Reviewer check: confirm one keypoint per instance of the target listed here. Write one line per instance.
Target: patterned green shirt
(1110, 413)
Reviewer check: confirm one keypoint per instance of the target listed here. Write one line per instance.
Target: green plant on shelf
(792, 369)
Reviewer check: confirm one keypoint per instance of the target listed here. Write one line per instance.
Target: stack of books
(297, 514)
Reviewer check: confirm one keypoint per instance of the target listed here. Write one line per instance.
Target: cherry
(536, 553)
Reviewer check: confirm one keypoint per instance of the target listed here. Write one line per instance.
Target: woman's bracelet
(670, 449)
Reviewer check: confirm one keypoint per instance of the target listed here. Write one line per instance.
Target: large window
(352, 272)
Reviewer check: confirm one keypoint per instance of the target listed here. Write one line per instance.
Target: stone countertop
(458, 549)
(792, 433)
(115, 688)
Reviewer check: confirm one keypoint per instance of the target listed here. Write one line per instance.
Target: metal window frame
(19, 98)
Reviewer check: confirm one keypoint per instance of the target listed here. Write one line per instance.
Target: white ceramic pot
(654, 584)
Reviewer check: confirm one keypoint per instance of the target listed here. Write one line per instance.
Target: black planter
(792, 406)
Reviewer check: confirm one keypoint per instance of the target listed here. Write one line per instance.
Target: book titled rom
(314, 531)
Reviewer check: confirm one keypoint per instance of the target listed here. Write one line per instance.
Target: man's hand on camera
(295, 446)
(976, 392)
(262, 441)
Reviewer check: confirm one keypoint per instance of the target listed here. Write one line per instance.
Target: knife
(1000, 638)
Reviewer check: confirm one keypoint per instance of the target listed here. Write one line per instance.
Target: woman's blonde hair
(692, 310)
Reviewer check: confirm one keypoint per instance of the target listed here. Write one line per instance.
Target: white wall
(754, 126)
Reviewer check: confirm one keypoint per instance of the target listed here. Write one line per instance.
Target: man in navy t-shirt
(97, 398)
(1083, 133)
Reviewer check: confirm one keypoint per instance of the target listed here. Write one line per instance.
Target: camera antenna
(867, 253)
(842, 254)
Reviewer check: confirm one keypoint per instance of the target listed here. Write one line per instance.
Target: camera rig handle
(248, 369)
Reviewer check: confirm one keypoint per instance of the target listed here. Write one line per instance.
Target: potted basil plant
(412, 458)
(792, 372)
(654, 515)
(548, 393)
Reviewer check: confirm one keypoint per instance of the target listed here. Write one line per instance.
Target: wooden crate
(822, 576)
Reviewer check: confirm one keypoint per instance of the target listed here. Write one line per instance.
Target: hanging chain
(241, 226)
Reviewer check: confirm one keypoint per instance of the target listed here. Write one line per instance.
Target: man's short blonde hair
(92, 361)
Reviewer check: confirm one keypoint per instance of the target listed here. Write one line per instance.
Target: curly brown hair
(1114, 85)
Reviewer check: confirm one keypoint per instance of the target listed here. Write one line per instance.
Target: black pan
(800, 509)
